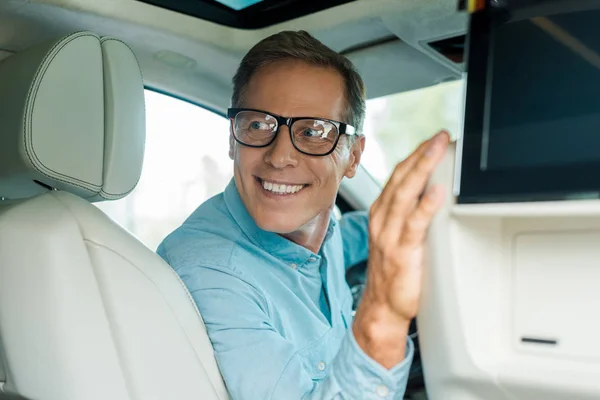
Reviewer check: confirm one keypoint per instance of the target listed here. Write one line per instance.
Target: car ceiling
(195, 59)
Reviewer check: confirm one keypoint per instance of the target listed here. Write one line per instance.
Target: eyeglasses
(311, 136)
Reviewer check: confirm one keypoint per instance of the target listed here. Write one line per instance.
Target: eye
(312, 133)
(260, 126)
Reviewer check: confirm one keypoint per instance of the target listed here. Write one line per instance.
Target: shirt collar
(271, 242)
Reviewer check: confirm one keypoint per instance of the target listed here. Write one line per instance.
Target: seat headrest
(72, 118)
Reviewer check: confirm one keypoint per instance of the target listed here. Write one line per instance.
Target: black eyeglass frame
(342, 128)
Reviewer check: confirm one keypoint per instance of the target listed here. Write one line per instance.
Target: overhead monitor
(532, 111)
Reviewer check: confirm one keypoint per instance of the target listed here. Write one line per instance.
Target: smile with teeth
(281, 188)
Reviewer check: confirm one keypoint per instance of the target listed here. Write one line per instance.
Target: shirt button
(321, 366)
(382, 391)
(293, 265)
(312, 259)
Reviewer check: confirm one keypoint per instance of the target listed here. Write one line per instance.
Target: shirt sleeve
(354, 228)
(257, 362)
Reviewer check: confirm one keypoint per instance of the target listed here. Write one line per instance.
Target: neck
(311, 234)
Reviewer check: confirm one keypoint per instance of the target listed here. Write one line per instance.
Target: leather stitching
(104, 193)
(27, 121)
(63, 203)
(167, 303)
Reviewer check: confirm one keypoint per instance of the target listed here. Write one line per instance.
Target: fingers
(403, 168)
(380, 207)
(417, 224)
(406, 194)
(415, 182)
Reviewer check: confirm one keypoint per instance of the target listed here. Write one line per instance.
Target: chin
(277, 223)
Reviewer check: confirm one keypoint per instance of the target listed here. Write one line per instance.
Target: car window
(185, 163)
(395, 125)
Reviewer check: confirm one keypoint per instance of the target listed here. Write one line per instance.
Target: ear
(231, 142)
(355, 154)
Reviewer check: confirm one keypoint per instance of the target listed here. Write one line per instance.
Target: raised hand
(398, 224)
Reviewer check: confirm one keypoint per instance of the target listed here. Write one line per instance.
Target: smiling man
(265, 261)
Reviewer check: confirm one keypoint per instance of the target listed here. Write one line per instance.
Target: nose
(282, 153)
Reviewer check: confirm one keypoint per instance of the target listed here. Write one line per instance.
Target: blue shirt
(278, 315)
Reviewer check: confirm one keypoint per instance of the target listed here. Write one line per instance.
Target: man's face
(293, 89)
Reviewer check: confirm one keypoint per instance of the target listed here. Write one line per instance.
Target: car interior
(113, 129)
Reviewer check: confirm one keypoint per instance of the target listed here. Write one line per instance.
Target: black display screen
(545, 92)
(532, 123)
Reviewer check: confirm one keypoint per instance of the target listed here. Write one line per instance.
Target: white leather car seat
(87, 312)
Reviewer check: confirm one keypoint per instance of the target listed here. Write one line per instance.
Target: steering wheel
(356, 278)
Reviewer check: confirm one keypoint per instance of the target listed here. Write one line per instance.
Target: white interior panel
(565, 283)
(499, 273)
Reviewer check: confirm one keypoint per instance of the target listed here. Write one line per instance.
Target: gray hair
(301, 46)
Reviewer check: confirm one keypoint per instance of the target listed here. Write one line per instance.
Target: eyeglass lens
(313, 136)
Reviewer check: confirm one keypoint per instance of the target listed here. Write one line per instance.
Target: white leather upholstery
(72, 118)
(87, 312)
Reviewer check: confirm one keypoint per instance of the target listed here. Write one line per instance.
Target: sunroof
(247, 14)
(238, 4)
